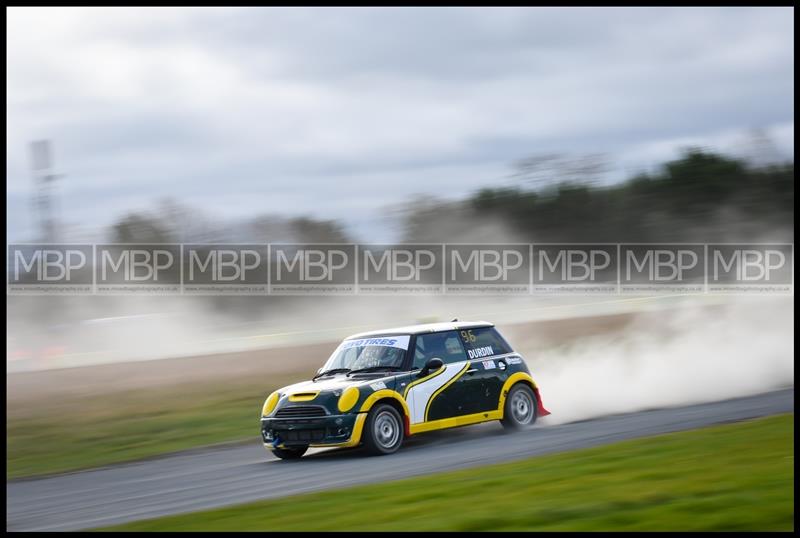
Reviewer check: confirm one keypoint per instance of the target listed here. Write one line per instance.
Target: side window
(445, 346)
(483, 342)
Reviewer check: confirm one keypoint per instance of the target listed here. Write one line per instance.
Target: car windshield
(375, 352)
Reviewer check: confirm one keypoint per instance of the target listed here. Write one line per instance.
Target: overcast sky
(336, 113)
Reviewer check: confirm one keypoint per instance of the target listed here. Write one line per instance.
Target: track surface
(215, 477)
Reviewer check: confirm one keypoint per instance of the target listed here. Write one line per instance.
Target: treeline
(699, 197)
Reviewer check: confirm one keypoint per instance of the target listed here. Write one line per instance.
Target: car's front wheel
(383, 430)
(520, 408)
(290, 453)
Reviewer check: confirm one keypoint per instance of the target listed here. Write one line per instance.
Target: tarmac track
(224, 475)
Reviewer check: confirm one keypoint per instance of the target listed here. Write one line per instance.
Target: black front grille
(300, 411)
(290, 436)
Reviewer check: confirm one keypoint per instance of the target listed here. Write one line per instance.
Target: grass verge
(732, 477)
(86, 432)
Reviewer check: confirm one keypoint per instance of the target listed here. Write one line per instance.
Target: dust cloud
(685, 356)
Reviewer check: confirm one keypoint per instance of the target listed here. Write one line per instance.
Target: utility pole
(44, 178)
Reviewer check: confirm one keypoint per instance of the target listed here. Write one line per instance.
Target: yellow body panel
(355, 438)
(269, 404)
(381, 394)
(463, 420)
(303, 396)
(348, 399)
(428, 425)
(519, 376)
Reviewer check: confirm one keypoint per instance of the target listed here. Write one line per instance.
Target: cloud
(322, 110)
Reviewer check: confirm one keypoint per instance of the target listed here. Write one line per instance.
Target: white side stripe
(418, 395)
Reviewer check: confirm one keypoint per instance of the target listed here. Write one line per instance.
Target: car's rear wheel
(519, 411)
(383, 430)
(290, 453)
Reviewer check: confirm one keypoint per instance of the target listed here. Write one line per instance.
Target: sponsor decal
(378, 386)
(395, 341)
(488, 365)
(513, 360)
(479, 352)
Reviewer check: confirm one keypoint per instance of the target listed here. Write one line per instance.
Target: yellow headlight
(270, 404)
(348, 399)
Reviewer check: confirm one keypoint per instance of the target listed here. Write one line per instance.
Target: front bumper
(330, 430)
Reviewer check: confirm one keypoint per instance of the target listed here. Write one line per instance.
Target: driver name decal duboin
(479, 352)
(419, 395)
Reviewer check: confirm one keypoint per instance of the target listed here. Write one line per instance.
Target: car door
(438, 395)
(488, 371)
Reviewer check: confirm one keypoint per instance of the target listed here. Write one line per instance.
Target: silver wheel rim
(522, 407)
(387, 429)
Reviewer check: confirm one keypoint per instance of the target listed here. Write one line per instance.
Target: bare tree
(553, 168)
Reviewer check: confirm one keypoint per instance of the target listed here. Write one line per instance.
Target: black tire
(290, 453)
(521, 408)
(383, 430)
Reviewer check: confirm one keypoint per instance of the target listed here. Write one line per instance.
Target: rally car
(380, 387)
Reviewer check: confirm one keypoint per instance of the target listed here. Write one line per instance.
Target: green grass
(85, 432)
(732, 477)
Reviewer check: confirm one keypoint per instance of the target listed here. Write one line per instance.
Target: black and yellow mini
(380, 387)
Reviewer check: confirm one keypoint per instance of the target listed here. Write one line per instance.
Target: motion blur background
(384, 125)
(371, 125)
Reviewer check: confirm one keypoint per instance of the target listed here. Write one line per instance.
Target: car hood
(339, 381)
(326, 392)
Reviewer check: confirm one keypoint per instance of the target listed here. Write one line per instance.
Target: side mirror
(431, 366)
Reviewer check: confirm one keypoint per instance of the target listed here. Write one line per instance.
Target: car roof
(424, 328)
